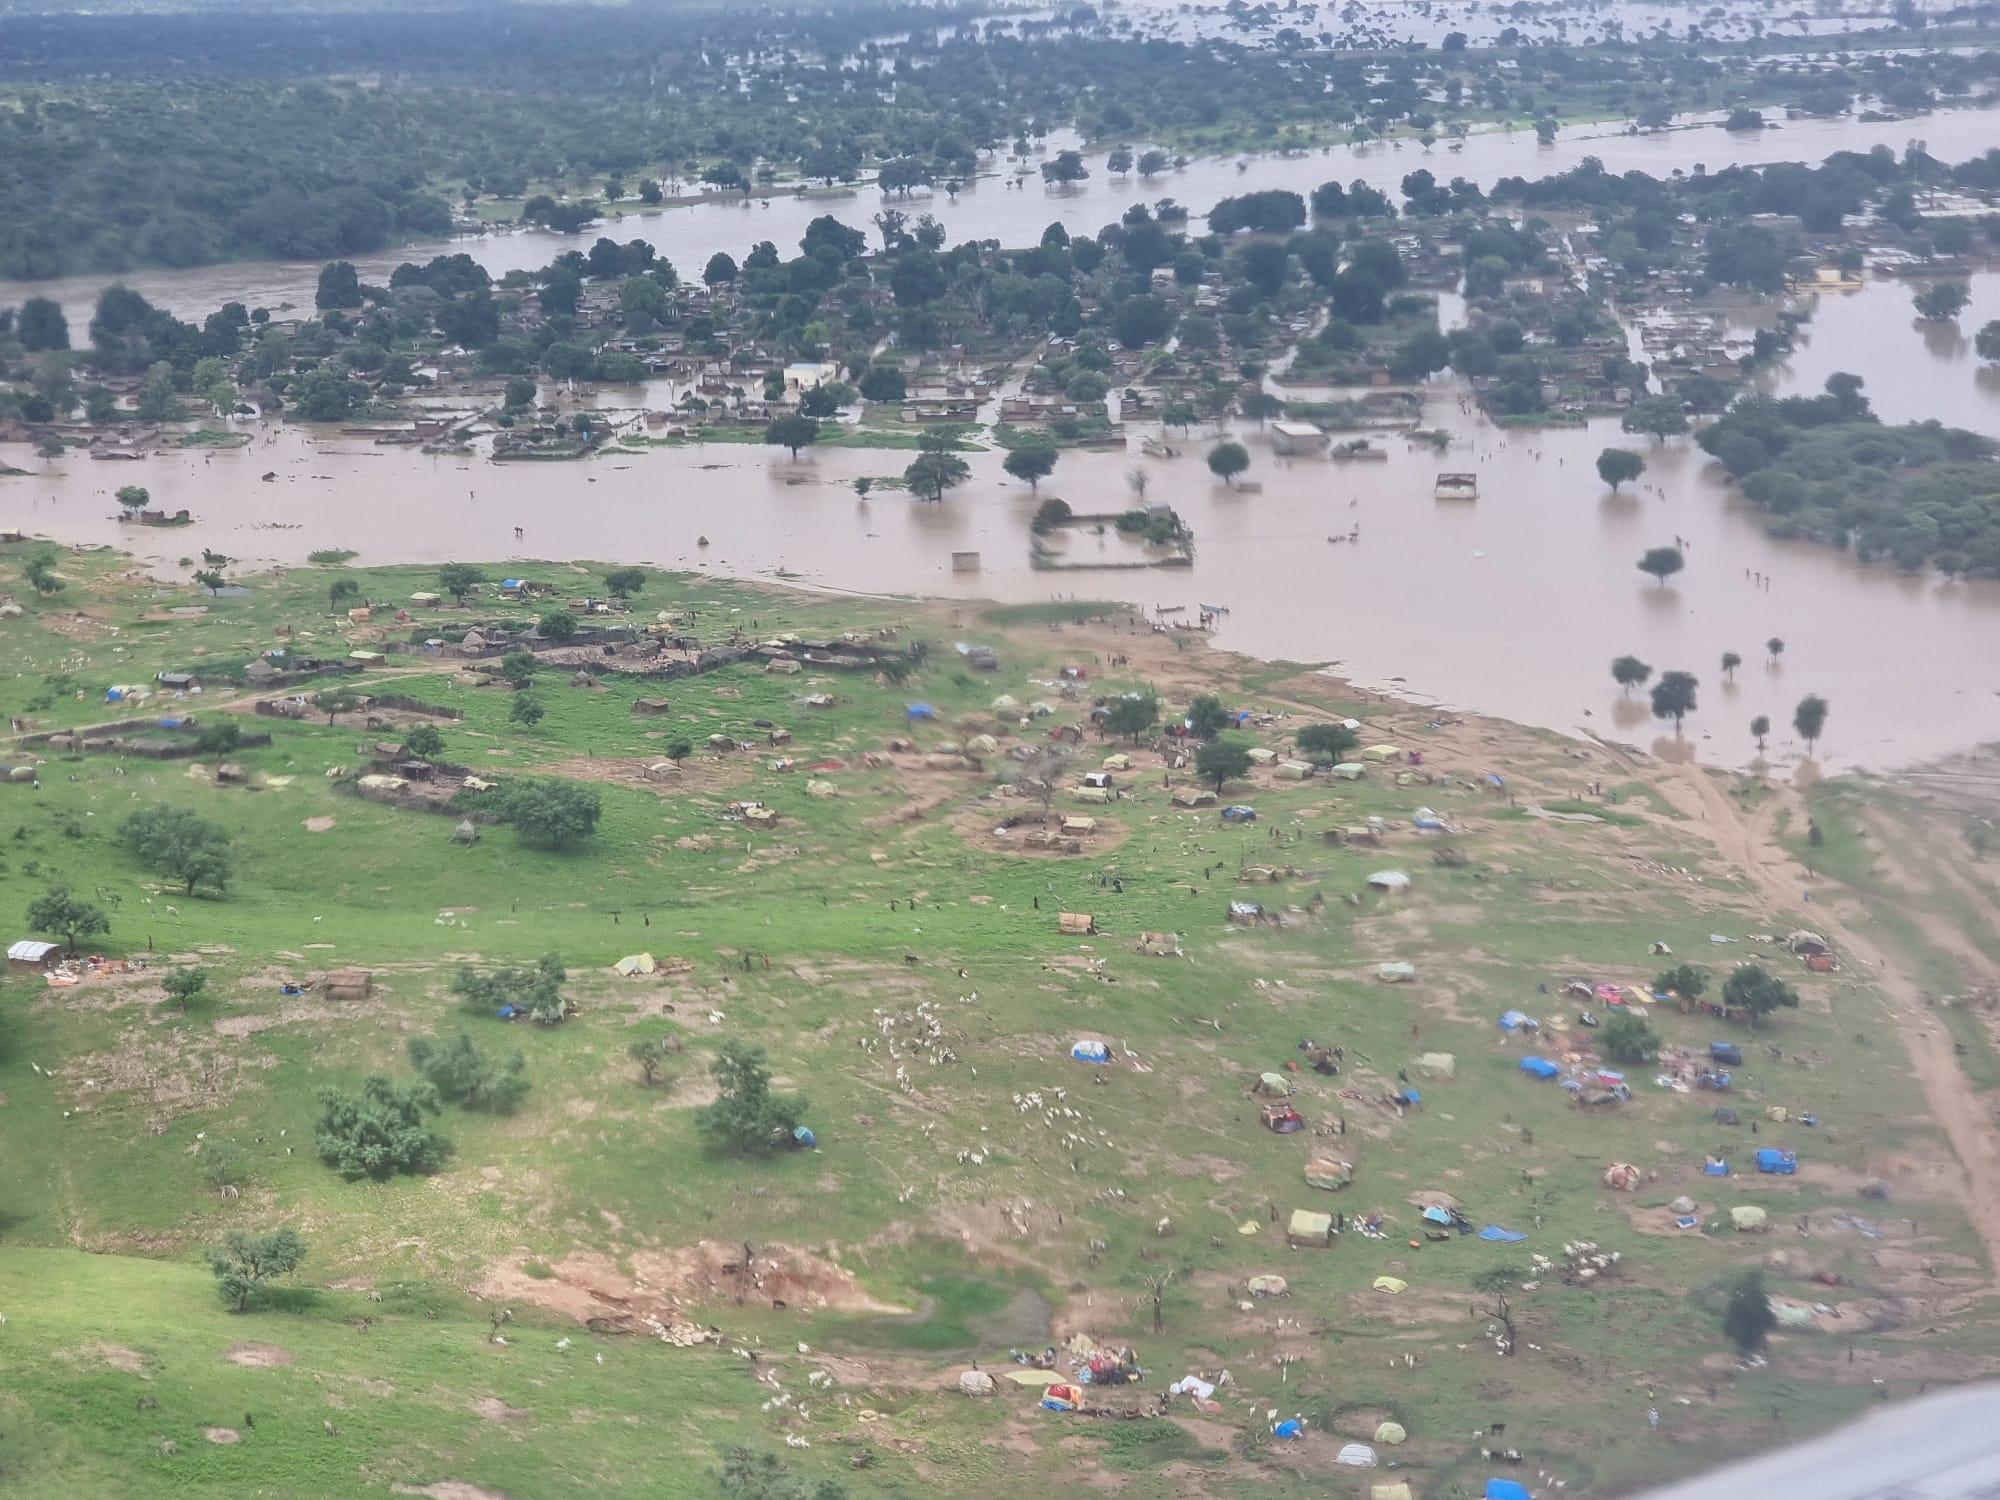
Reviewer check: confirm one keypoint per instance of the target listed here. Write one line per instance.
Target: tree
(1684, 980)
(57, 911)
(1179, 414)
(1753, 989)
(462, 1073)
(224, 1166)
(1615, 466)
(1207, 717)
(518, 667)
(1730, 662)
(182, 985)
(180, 844)
(211, 579)
(1809, 719)
(526, 710)
(460, 579)
(40, 325)
(794, 431)
(339, 592)
(1222, 761)
(1674, 698)
(1065, 168)
(557, 625)
(1773, 649)
(1628, 1038)
(747, 1117)
(720, 270)
(1132, 715)
(1662, 416)
(520, 391)
(1050, 514)
(651, 1056)
(678, 749)
(423, 742)
(550, 811)
(883, 383)
(1747, 1320)
(1760, 727)
(244, 1261)
(339, 286)
(38, 571)
(1226, 460)
(382, 1131)
(535, 992)
(1662, 563)
(133, 497)
(1033, 460)
(1629, 672)
(1942, 301)
(929, 475)
(1327, 743)
(1987, 341)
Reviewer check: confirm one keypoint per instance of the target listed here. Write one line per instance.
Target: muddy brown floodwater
(1514, 604)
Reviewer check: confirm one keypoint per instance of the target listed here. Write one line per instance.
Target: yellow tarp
(1391, 1284)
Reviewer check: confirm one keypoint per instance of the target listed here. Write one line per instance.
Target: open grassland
(973, 1190)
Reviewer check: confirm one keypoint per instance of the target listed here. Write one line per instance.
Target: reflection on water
(1016, 215)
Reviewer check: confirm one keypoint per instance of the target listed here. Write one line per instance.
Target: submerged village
(519, 983)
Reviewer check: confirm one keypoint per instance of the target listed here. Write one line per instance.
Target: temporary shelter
(1350, 770)
(1328, 1174)
(1382, 752)
(1779, 1163)
(1395, 973)
(1391, 1284)
(1076, 923)
(1507, 1489)
(1514, 1020)
(1389, 880)
(634, 964)
(1437, 1065)
(1356, 1456)
(1090, 1052)
(920, 711)
(1747, 1218)
(1389, 1434)
(1622, 1176)
(32, 953)
(1539, 1067)
(1273, 1085)
(348, 984)
(1268, 1286)
(1236, 812)
(1308, 1228)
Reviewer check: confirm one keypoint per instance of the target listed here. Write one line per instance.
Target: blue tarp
(510, 583)
(114, 695)
(1541, 1067)
(1784, 1163)
(1515, 1020)
(1501, 1236)
(1715, 1169)
(172, 723)
(920, 711)
(802, 1135)
(1290, 1430)
(1437, 1215)
(1091, 1052)
(1507, 1489)
(1237, 813)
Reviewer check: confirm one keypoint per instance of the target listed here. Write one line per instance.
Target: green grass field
(970, 1179)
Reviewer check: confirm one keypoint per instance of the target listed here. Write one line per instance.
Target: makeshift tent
(1395, 973)
(1238, 813)
(1062, 1397)
(1273, 1084)
(1289, 1431)
(1539, 1067)
(1091, 1052)
(976, 1383)
(1350, 770)
(1260, 756)
(1682, 1205)
(1006, 704)
(1389, 880)
(1498, 1236)
(1781, 1163)
(635, 963)
(920, 711)
(1622, 1176)
(1427, 821)
(1032, 1377)
(1507, 1489)
(1748, 1218)
(1514, 1020)
(1356, 1456)
(1391, 1284)
(1309, 1228)
(1437, 1214)
(1381, 752)
(1715, 1167)
(1322, 1172)
(1268, 1286)
(1389, 1434)
(31, 951)
(1078, 923)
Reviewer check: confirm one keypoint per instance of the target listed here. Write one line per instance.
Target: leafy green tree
(134, 497)
(1033, 460)
(794, 432)
(1207, 717)
(1809, 719)
(1730, 662)
(1760, 727)
(182, 985)
(526, 710)
(929, 475)
(1222, 761)
(1628, 1038)
(1661, 416)
(1754, 989)
(651, 1056)
(462, 1073)
(382, 1131)
(747, 1117)
(1986, 342)
(748, 1474)
(678, 749)
(1133, 715)
(1327, 743)
(334, 702)
(1685, 980)
(1050, 514)
(423, 742)
(720, 270)
(557, 625)
(1226, 460)
(1674, 698)
(224, 1165)
(40, 325)
(623, 583)
(1943, 301)
(1616, 466)
(245, 1261)
(1629, 672)
(1773, 649)
(180, 844)
(535, 992)
(1179, 414)
(38, 571)
(211, 579)
(339, 287)
(521, 391)
(518, 667)
(219, 738)
(1662, 563)
(1747, 1320)
(460, 579)
(551, 811)
(57, 911)
(339, 592)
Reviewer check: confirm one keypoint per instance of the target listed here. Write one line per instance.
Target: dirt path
(1750, 844)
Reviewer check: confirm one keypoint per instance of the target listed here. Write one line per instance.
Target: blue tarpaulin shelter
(1507, 1489)
(802, 1135)
(1091, 1052)
(1715, 1169)
(1238, 813)
(1540, 1067)
(1436, 1215)
(920, 711)
(1515, 1020)
(1783, 1163)
(1499, 1236)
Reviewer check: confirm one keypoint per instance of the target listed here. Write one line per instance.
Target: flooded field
(1514, 604)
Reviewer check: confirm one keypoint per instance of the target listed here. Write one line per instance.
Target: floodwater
(1513, 605)
(1014, 213)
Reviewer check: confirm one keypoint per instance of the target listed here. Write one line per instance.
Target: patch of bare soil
(705, 773)
(592, 1289)
(979, 826)
(319, 824)
(493, 1409)
(451, 1489)
(224, 1435)
(255, 1356)
(164, 1076)
(117, 1356)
